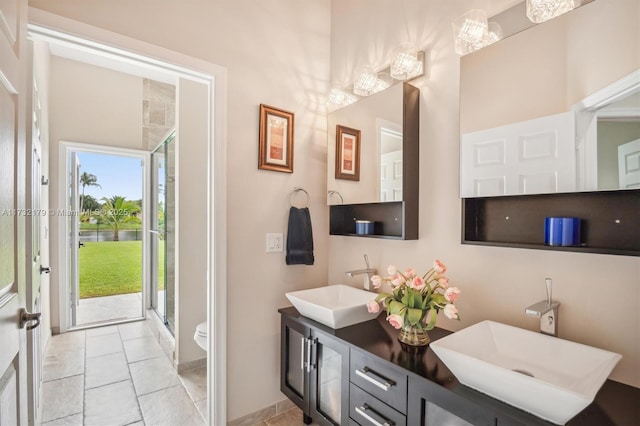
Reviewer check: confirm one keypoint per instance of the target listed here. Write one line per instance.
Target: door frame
(51, 26)
(64, 240)
(587, 127)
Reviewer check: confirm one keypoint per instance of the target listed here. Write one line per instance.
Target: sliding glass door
(162, 231)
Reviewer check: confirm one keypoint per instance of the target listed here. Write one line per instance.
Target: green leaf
(439, 299)
(410, 298)
(382, 296)
(414, 316)
(395, 307)
(432, 319)
(417, 303)
(425, 302)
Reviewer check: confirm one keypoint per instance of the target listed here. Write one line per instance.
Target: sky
(116, 175)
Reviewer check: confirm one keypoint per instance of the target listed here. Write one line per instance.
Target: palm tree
(116, 211)
(87, 179)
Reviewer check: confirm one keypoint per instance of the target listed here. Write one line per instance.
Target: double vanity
(359, 374)
(535, 144)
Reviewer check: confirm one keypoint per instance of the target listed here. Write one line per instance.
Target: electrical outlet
(274, 242)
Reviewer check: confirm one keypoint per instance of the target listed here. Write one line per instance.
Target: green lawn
(110, 267)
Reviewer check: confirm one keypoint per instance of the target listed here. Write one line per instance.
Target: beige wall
(191, 201)
(91, 105)
(276, 53)
(600, 294)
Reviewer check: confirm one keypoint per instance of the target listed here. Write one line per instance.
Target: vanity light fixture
(542, 10)
(494, 34)
(406, 64)
(339, 98)
(472, 31)
(367, 82)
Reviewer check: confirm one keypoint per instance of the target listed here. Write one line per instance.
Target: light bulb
(542, 10)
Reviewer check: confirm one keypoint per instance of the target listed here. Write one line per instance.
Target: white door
(74, 237)
(34, 220)
(391, 176)
(529, 157)
(629, 165)
(13, 241)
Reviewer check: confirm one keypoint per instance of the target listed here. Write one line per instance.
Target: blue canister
(364, 227)
(562, 231)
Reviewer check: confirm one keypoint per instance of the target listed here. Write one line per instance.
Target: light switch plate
(274, 242)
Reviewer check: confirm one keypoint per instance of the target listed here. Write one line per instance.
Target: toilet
(200, 335)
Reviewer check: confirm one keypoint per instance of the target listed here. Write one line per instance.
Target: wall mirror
(554, 108)
(373, 147)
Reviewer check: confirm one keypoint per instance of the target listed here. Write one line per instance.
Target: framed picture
(276, 140)
(347, 153)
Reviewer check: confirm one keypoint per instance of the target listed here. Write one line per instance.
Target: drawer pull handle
(385, 384)
(375, 418)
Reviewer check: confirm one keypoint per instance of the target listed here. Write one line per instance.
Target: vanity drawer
(379, 379)
(370, 411)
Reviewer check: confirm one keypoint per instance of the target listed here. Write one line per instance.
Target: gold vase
(413, 338)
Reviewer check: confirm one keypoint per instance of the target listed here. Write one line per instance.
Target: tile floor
(292, 417)
(117, 375)
(95, 310)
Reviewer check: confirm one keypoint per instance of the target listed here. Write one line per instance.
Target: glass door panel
(163, 231)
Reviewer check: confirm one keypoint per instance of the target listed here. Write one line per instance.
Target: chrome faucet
(368, 273)
(547, 311)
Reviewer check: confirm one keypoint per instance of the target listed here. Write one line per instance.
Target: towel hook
(297, 189)
(332, 192)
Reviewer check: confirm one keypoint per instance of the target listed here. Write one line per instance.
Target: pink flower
(397, 279)
(417, 283)
(443, 282)
(396, 321)
(439, 267)
(376, 280)
(451, 312)
(410, 273)
(452, 294)
(373, 307)
(392, 269)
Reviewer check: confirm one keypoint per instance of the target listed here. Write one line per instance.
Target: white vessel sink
(549, 377)
(335, 306)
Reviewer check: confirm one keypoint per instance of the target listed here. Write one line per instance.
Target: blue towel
(299, 237)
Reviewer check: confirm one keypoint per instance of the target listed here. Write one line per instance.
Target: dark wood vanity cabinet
(314, 373)
(359, 375)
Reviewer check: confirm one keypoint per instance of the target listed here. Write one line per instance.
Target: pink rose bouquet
(416, 300)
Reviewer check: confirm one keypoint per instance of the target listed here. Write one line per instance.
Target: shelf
(610, 221)
(392, 220)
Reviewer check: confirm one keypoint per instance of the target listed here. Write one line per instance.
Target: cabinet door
(329, 380)
(293, 377)
(430, 404)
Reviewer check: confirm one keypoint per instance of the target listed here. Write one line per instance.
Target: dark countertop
(615, 404)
